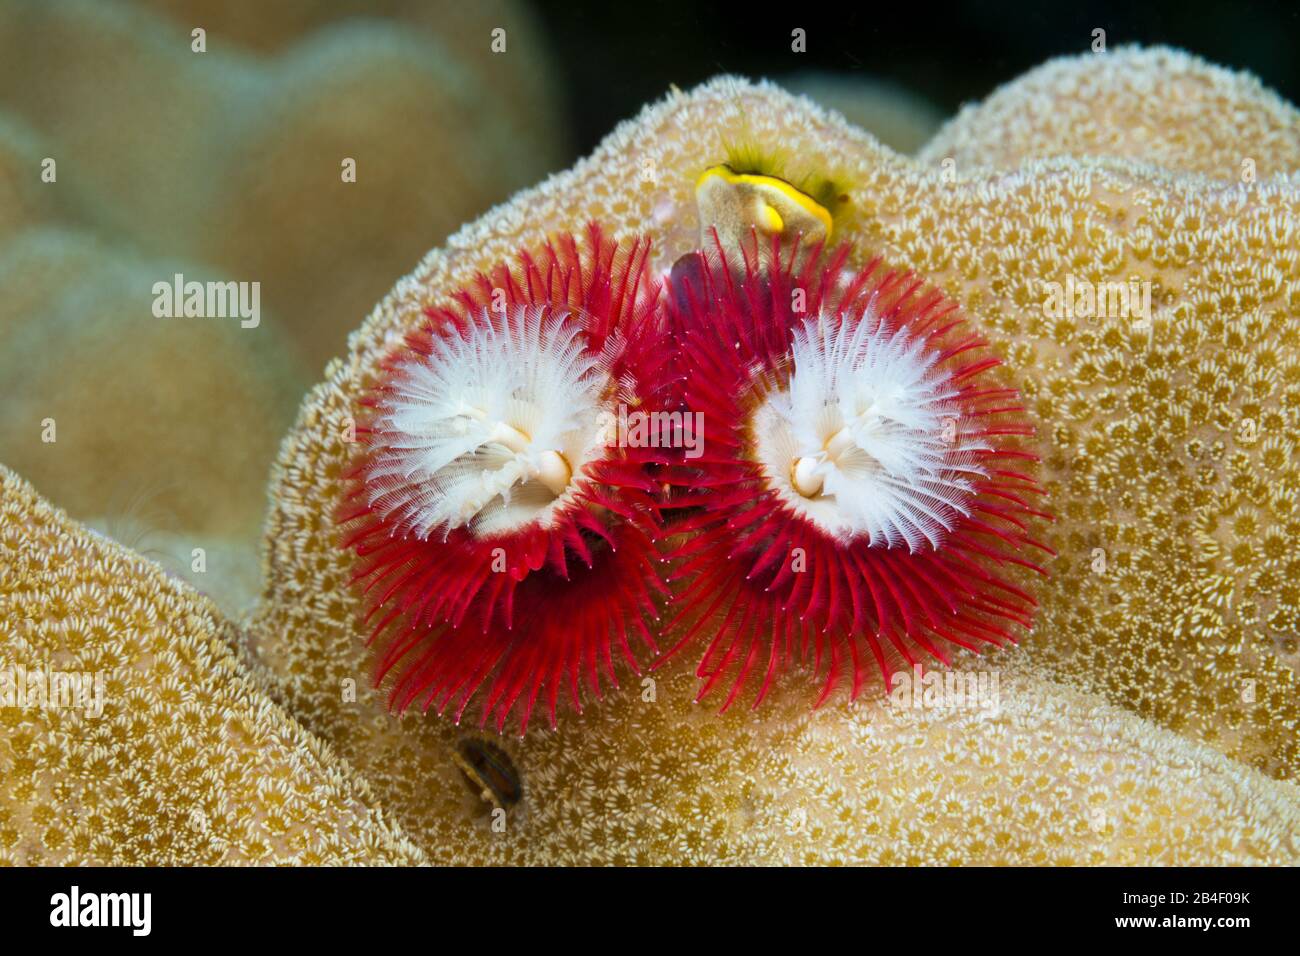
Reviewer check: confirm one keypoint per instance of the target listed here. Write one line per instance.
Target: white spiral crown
(868, 439)
(490, 429)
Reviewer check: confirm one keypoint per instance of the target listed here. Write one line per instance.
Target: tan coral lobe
(189, 761)
(301, 152)
(237, 160)
(1140, 452)
(1154, 106)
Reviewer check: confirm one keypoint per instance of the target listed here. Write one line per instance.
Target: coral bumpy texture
(190, 761)
(862, 481)
(1122, 736)
(1132, 705)
(504, 538)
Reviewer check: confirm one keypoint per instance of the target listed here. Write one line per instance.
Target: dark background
(617, 55)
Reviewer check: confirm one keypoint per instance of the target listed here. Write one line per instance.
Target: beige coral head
(177, 755)
(1140, 448)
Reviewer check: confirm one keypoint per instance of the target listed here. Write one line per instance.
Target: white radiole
(868, 439)
(492, 427)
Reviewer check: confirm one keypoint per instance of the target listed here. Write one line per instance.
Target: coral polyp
(865, 486)
(503, 539)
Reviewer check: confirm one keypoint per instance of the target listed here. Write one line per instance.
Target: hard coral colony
(715, 788)
(622, 445)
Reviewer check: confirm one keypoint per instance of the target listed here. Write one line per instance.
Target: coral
(24, 200)
(1162, 665)
(1149, 460)
(1156, 105)
(189, 761)
(369, 94)
(183, 411)
(214, 164)
(646, 777)
(236, 160)
(518, 80)
(1141, 459)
